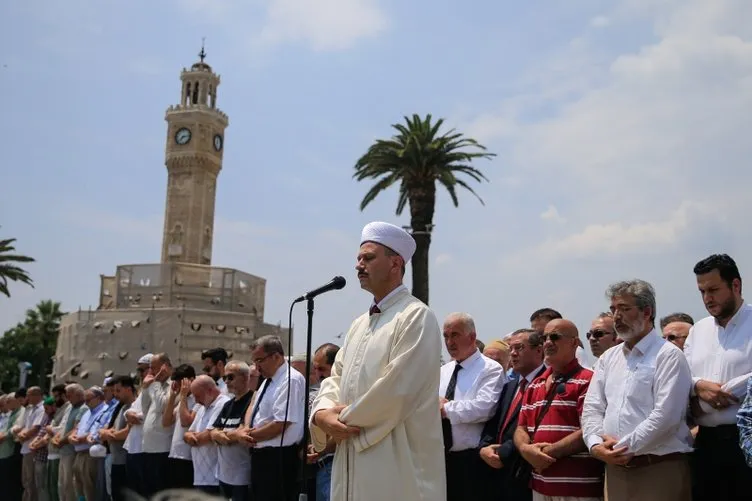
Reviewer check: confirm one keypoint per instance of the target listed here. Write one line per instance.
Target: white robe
(386, 374)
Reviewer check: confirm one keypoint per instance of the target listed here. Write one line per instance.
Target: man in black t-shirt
(234, 468)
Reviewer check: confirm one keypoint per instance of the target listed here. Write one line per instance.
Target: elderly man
(203, 449)
(634, 418)
(85, 466)
(76, 396)
(380, 400)
(134, 441)
(234, 462)
(469, 388)
(10, 460)
(601, 335)
(548, 433)
(719, 352)
(497, 442)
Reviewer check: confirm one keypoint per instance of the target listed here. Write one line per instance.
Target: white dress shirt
(479, 385)
(205, 456)
(33, 417)
(271, 408)
(640, 397)
(134, 441)
(721, 355)
(156, 438)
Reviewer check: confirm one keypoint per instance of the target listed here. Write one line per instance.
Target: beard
(728, 309)
(632, 330)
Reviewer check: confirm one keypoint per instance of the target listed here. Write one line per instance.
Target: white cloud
(552, 214)
(600, 22)
(323, 25)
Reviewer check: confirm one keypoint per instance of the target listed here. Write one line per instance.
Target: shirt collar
(282, 369)
(568, 369)
(395, 291)
(533, 374)
(740, 314)
(471, 359)
(644, 344)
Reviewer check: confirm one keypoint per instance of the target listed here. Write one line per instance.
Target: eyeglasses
(673, 337)
(553, 336)
(597, 334)
(259, 360)
(228, 377)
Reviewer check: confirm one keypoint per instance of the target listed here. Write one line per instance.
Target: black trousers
(503, 485)
(119, 480)
(155, 472)
(462, 469)
(10, 475)
(274, 473)
(134, 465)
(719, 472)
(180, 473)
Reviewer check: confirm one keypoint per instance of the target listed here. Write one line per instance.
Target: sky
(621, 130)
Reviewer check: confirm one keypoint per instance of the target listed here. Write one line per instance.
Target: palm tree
(417, 157)
(9, 270)
(42, 325)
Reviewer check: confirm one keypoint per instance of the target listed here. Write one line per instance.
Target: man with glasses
(548, 433)
(497, 441)
(234, 462)
(602, 335)
(634, 413)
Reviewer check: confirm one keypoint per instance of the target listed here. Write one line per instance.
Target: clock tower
(193, 156)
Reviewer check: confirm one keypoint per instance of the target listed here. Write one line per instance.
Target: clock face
(183, 136)
(217, 142)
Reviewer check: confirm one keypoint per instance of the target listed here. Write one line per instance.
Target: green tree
(9, 269)
(417, 158)
(34, 340)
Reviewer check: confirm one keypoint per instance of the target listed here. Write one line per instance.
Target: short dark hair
(546, 314)
(58, 388)
(110, 382)
(676, 317)
(330, 350)
(125, 381)
(534, 338)
(216, 354)
(183, 371)
(20, 393)
(725, 265)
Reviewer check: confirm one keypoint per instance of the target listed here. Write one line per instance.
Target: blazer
(491, 430)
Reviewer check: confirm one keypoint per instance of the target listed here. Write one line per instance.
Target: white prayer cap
(390, 236)
(106, 380)
(146, 359)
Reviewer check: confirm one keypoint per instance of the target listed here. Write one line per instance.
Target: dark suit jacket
(507, 451)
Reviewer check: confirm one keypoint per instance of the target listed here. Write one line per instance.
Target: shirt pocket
(640, 386)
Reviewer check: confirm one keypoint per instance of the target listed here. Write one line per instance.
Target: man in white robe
(380, 400)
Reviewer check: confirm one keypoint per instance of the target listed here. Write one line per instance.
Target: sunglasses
(553, 337)
(596, 334)
(228, 377)
(673, 337)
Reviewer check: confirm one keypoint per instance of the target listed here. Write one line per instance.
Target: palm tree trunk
(422, 204)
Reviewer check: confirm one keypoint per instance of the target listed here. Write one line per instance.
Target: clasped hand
(328, 421)
(606, 452)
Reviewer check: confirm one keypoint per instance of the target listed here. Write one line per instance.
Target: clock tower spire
(193, 156)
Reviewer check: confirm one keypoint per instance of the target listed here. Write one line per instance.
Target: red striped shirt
(579, 475)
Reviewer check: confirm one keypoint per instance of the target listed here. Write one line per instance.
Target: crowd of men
(174, 430)
(664, 414)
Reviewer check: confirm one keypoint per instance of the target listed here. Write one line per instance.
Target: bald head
(677, 332)
(204, 389)
(562, 340)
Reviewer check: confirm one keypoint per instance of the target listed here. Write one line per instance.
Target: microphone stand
(303, 496)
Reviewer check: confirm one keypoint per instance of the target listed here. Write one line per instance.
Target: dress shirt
(272, 406)
(721, 355)
(33, 417)
(640, 397)
(394, 292)
(479, 385)
(86, 425)
(205, 456)
(134, 441)
(156, 438)
(104, 419)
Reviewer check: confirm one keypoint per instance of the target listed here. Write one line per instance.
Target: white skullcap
(146, 359)
(390, 236)
(106, 380)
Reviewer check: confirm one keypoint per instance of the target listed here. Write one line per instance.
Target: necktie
(446, 426)
(374, 309)
(515, 406)
(267, 383)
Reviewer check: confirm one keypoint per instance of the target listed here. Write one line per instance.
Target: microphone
(335, 283)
